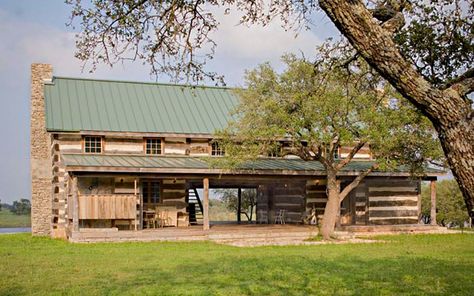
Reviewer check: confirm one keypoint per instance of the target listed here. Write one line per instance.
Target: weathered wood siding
(393, 201)
(176, 146)
(288, 196)
(72, 143)
(173, 192)
(199, 147)
(316, 195)
(360, 205)
(363, 153)
(107, 207)
(123, 145)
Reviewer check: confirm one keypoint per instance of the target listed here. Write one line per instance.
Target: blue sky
(34, 31)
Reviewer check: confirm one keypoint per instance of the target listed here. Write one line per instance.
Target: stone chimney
(40, 153)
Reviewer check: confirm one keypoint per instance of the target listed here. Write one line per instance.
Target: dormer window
(153, 146)
(92, 144)
(216, 150)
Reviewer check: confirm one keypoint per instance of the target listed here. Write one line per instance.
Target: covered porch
(142, 202)
(122, 195)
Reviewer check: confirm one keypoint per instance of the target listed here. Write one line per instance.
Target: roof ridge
(142, 82)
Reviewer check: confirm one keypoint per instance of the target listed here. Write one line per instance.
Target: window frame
(84, 145)
(147, 197)
(145, 146)
(215, 150)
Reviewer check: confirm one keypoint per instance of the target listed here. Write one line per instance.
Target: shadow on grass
(297, 275)
(409, 265)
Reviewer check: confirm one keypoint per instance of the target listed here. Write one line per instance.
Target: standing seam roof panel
(98, 105)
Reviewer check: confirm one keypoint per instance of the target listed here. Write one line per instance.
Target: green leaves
(439, 39)
(308, 111)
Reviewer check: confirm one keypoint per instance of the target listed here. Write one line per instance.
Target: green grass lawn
(402, 265)
(8, 219)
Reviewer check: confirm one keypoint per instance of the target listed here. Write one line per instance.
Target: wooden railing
(116, 206)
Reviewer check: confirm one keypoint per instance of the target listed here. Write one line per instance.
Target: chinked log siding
(393, 201)
(73, 143)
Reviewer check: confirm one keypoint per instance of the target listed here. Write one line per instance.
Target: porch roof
(201, 165)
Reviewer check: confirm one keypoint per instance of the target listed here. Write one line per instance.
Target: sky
(33, 31)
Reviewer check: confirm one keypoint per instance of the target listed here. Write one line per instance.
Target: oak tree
(311, 111)
(423, 48)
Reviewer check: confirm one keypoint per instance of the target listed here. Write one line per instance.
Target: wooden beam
(205, 225)
(138, 203)
(75, 198)
(221, 172)
(239, 204)
(433, 202)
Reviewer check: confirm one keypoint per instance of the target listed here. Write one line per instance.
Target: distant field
(402, 265)
(8, 219)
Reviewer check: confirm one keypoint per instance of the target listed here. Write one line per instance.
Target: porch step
(194, 207)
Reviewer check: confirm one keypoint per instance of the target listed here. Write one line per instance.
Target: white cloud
(260, 43)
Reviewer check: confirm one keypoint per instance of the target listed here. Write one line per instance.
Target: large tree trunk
(448, 109)
(332, 206)
(457, 140)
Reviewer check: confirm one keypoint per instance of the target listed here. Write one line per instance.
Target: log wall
(72, 143)
(284, 195)
(173, 193)
(393, 201)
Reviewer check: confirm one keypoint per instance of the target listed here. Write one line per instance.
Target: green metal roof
(145, 163)
(74, 104)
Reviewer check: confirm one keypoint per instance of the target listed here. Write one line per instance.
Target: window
(216, 150)
(153, 146)
(93, 144)
(151, 193)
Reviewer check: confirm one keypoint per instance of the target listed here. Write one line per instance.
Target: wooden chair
(149, 219)
(280, 217)
(165, 218)
(160, 218)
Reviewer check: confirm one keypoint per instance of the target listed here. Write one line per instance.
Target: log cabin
(131, 155)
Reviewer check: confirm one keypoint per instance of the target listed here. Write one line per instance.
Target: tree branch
(356, 182)
(375, 44)
(351, 154)
(463, 84)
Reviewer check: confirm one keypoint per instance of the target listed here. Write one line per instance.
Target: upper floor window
(153, 146)
(92, 144)
(216, 150)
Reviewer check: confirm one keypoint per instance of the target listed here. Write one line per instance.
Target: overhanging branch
(356, 182)
(350, 156)
(463, 84)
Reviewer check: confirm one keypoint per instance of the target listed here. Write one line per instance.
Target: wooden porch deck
(250, 234)
(217, 233)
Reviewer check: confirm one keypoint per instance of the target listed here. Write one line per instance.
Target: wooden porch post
(137, 203)
(433, 202)
(205, 205)
(75, 210)
(239, 204)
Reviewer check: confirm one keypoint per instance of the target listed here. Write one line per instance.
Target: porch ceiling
(200, 165)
